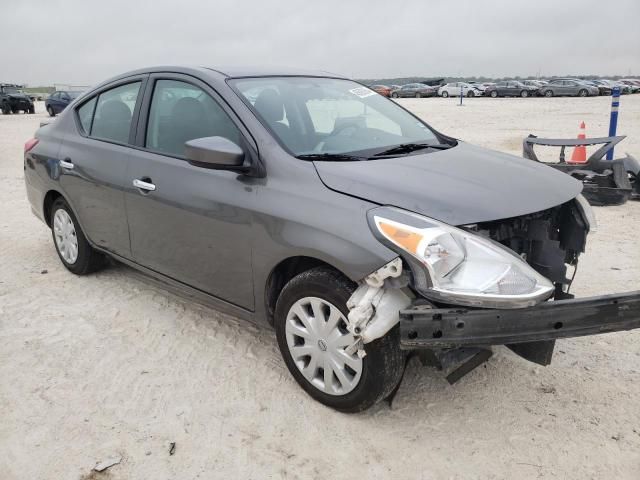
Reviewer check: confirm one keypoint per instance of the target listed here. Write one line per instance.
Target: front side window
(181, 112)
(114, 111)
(325, 115)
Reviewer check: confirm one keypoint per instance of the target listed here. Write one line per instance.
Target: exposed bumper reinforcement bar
(455, 327)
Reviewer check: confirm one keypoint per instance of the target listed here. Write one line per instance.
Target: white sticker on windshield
(362, 92)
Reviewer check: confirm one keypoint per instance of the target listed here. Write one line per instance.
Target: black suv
(12, 100)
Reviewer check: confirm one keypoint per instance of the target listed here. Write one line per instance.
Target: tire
(14, 110)
(583, 93)
(394, 95)
(86, 259)
(50, 111)
(374, 377)
(548, 93)
(524, 94)
(418, 95)
(493, 94)
(6, 109)
(470, 94)
(445, 94)
(32, 109)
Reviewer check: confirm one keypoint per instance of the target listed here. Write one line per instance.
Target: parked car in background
(624, 89)
(633, 85)
(416, 90)
(325, 227)
(58, 101)
(381, 89)
(568, 87)
(603, 88)
(478, 86)
(454, 89)
(511, 88)
(14, 100)
(534, 83)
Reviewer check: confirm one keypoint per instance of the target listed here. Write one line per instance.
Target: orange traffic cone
(579, 154)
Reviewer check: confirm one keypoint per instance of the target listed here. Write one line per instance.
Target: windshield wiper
(412, 147)
(335, 157)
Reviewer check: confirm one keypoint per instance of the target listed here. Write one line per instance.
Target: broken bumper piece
(455, 327)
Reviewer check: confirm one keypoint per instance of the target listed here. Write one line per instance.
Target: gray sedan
(568, 87)
(416, 90)
(316, 206)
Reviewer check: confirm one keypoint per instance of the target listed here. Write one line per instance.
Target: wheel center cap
(322, 345)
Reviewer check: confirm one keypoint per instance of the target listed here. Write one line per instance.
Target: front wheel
(32, 109)
(583, 93)
(548, 94)
(72, 246)
(311, 328)
(418, 95)
(394, 95)
(50, 111)
(524, 94)
(493, 94)
(445, 94)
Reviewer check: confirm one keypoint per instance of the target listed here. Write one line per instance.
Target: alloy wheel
(317, 336)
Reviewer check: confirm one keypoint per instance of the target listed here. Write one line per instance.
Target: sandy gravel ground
(109, 365)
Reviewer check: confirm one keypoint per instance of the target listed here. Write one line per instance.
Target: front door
(190, 223)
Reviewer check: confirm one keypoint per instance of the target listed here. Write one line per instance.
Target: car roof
(222, 73)
(261, 71)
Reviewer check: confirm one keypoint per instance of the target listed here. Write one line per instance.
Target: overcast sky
(84, 41)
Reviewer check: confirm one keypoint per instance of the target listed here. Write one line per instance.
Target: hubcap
(65, 235)
(317, 336)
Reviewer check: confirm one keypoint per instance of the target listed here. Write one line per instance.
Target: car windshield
(323, 116)
(11, 90)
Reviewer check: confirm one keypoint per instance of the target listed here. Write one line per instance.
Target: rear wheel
(311, 328)
(524, 94)
(470, 94)
(548, 93)
(445, 94)
(32, 109)
(72, 246)
(583, 93)
(418, 95)
(6, 109)
(394, 95)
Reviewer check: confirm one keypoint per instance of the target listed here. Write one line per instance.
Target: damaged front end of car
(458, 291)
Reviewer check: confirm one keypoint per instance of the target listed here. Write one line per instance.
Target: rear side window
(112, 120)
(181, 112)
(85, 115)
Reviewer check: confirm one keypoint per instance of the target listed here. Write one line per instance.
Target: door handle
(66, 163)
(142, 185)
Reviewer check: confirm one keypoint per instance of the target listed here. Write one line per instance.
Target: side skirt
(187, 292)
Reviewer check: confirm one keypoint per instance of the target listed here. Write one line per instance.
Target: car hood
(461, 185)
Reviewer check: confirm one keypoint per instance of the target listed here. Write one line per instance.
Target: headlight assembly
(455, 266)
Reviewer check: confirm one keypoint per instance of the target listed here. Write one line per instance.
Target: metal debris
(172, 448)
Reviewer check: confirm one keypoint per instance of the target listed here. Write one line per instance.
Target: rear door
(96, 162)
(195, 225)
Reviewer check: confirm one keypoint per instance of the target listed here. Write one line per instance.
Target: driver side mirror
(215, 152)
